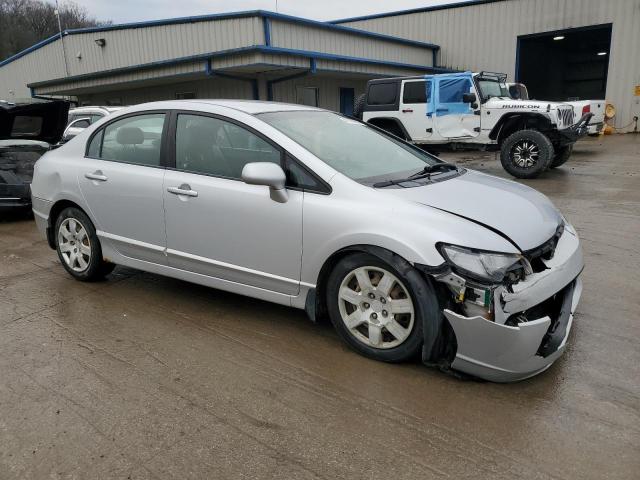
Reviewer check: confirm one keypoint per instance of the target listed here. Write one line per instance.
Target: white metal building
(255, 54)
(560, 49)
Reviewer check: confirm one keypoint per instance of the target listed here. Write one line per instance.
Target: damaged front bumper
(575, 132)
(531, 320)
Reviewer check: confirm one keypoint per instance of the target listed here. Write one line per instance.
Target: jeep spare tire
(526, 153)
(358, 105)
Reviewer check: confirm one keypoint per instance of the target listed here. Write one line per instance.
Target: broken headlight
(484, 266)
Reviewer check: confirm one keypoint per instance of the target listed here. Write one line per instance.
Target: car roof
(251, 107)
(86, 108)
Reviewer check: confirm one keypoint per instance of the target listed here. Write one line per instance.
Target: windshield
(351, 147)
(492, 88)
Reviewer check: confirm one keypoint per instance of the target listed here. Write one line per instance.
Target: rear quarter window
(416, 92)
(382, 93)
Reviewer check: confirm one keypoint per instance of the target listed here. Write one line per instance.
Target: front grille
(565, 116)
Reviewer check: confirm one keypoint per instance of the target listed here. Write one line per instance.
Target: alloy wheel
(376, 307)
(74, 244)
(525, 153)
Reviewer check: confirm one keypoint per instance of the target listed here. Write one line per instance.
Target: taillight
(586, 109)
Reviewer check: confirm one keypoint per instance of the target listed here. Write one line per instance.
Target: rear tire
(526, 153)
(358, 106)
(561, 156)
(379, 310)
(78, 246)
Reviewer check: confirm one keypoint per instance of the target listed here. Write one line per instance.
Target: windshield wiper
(436, 167)
(425, 172)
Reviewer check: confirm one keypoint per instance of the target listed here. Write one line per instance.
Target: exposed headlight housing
(484, 266)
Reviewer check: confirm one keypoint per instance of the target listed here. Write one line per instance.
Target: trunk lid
(42, 121)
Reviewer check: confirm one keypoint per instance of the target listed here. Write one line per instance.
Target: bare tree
(26, 22)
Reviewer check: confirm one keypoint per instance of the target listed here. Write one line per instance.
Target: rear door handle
(407, 110)
(183, 189)
(97, 175)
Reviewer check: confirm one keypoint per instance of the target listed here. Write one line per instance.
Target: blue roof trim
(344, 58)
(433, 8)
(233, 51)
(38, 45)
(222, 16)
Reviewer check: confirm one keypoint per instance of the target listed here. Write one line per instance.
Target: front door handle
(97, 175)
(183, 189)
(407, 110)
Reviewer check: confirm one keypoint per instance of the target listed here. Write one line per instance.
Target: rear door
(121, 180)
(415, 115)
(455, 119)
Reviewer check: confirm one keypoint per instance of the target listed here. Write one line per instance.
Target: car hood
(41, 121)
(520, 213)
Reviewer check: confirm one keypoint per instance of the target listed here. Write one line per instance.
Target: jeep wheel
(526, 153)
(562, 155)
(358, 106)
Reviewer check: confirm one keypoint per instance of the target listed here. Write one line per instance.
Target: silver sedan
(406, 255)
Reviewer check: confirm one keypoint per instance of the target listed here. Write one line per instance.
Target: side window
(96, 143)
(81, 123)
(452, 89)
(299, 177)
(135, 139)
(382, 93)
(416, 92)
(216, 147)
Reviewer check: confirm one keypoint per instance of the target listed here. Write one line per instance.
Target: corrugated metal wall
(484, 37)
(303, 37)
(209, 88)
(127, 47)
(328, 89)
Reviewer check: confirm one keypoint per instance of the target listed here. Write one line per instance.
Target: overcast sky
(121, 11)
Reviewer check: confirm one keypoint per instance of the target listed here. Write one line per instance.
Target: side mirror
(469, 97)
(268, 174)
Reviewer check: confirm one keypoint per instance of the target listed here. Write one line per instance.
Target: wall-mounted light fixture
(559, 37)
(101, 42)
(600, 54)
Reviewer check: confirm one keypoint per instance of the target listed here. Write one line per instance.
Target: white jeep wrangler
(474, 111)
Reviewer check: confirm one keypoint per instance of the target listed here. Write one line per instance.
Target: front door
(414, 113)
(454, 118)
(346, 101)
(121, 180)
(221, 227)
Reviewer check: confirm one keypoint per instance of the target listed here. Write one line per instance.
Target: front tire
(78, 246)
(379, 310)
(526, 153)
(561, 156)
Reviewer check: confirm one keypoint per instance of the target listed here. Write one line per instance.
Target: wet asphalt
(145, 377)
